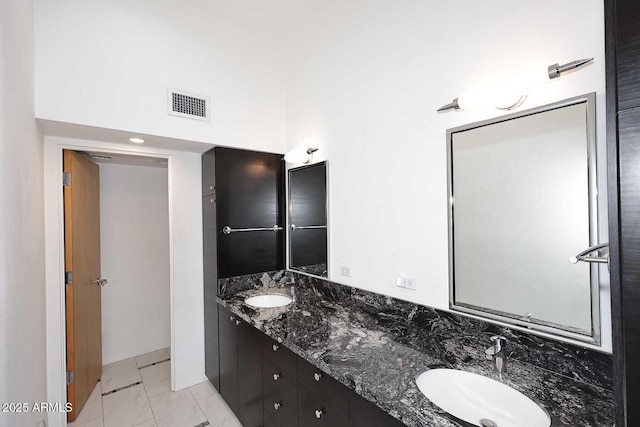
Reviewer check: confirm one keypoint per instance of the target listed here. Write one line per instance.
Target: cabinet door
(365, 414)
(228, 344)
(211, 354)
(250, 194)
(249, 375)
(629, 165)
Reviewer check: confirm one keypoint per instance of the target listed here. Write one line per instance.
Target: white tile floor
(150, 403)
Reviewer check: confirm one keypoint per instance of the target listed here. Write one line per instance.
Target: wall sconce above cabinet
(300, 155)
(508, 96)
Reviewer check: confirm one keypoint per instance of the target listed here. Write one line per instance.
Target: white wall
(134, 252)
(365, 81)
(109, 63)
(185, 240)
(22, 303)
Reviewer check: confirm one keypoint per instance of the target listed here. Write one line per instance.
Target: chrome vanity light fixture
(300, 155)
(508, 96)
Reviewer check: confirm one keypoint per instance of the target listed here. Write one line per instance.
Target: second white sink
(268, 301)
(479, 400)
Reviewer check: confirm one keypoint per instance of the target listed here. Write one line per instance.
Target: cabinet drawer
(280, 409)
(332, 392)
(280, 381)
(313, 410)
(279, 355)
(269, 421)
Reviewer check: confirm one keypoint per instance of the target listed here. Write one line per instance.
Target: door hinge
(66, 178)
(68, 277)
(69, 377)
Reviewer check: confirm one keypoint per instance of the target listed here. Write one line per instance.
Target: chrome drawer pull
(275, 347)
(232, 318)
(276, 377)
(317, 376)
(319, 413)
(277, 405)
(238, 323)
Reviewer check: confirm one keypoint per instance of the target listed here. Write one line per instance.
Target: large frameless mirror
(308, 219)
(522, 203)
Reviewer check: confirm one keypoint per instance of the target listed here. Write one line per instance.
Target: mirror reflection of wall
(308, 219)
(523, 201)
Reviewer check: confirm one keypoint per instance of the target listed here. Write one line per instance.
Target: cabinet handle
(317, 377)
(275, 347)
(232, 318)
(211, 187)
(238, 323)
(277, 405)
(211, 201)
(319, 413)
(276, 377)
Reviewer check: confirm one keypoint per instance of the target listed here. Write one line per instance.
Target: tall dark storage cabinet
(210, 258)
(623, 158)
(242, 190)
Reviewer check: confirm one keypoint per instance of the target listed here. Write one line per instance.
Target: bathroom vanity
(366, 350)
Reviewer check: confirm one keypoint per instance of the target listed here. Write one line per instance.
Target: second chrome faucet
(497, 353)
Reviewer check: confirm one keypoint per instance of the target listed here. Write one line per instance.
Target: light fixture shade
(299, 155)
(504, 97)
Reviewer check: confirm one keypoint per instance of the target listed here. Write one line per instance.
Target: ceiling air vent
(186, 104)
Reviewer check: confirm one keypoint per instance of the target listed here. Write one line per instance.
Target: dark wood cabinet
(240, 189)
(250, 194)
(266, 384)
(622, 45)
(365, 414)
(249, 375)
(228, 344)
(241, 368)
(210, 270)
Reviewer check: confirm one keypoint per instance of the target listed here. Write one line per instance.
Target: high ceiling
(277, 19)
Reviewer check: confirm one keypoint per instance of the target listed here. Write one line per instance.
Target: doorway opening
(124, 348)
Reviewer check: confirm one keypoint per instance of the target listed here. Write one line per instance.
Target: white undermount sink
(268, 301)
(479, 400)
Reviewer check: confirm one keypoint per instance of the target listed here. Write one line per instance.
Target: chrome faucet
(496, 353)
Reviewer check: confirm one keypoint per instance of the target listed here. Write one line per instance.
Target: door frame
(55, 261)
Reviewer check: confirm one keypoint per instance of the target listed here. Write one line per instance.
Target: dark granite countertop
(378, 352)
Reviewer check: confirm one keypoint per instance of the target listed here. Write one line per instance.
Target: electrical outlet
(345, 271)
(407, 283)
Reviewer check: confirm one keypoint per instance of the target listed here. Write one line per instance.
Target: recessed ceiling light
(136, 140)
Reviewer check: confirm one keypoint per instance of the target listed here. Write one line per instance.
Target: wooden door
(82, 278)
